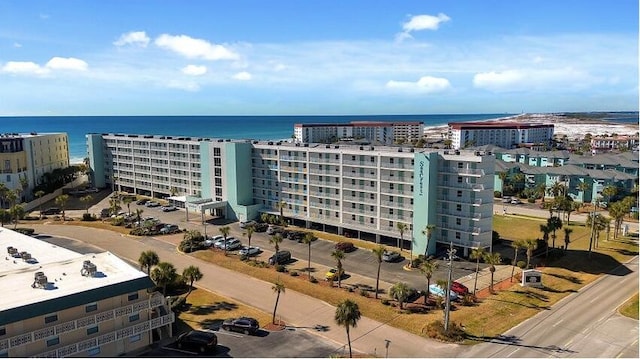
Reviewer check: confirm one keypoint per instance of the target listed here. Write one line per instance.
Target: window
(457, 235)
(91, 307)
(135, 338)
(3, 331)
(458, 207)
(93, 351)
(353, 217)
(50, 319)
(460, 164)
(53, 341)
(134, 317)
(459, 179)
(459, 194)
(133, 296)
(92, 330)
(4, 353)
(458, 221)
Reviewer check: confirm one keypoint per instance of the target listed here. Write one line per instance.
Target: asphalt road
(585, 324)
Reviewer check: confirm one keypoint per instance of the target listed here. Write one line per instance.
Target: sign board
(531, 278)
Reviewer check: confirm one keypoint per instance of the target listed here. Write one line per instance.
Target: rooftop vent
(270, 143)
(327, 146)
(88, 269)
(40, 280)
(25, 256)
(306, 145)
(12, 251)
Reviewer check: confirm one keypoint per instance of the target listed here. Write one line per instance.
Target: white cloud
(426, 84)
(24, 68)
(566, 78)
(138, 38)
(194, 48)
(242, 76)
(497, 80)
(194, 70)
(424, 22)
(69, 63)
(186, 86)
(17, 44)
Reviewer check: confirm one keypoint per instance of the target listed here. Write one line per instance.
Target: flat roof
(497, 124)
(62, 267)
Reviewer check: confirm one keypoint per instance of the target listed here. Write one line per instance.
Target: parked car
(246, 224)
(454, 257)
(152, 204)
(436, 290)
(103, 212)
(274, 229)
(212, 240)
(168, 208)
(51, 210)
(261, 227)
(332, 274)
(506, 199)
(220, 241)
(249, 251)
(142, 201)
(169, 228)
(280, 257)
(296, 236)
(459, 288)
(232, 244)
(199, 340)
(516, 201)
(390, 256)
(244, 325)
(345, 247)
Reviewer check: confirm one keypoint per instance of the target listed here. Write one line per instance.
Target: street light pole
(447, 293)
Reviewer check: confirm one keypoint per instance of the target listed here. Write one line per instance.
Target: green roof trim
(73, 300)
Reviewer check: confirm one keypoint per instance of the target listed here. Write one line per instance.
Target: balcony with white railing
(397, 179)
(360, 163)
(293, 158)
(404, 192)
(324, 172)
(358, 199)
(325, 183)
(462, 171)
(315, 193)
(405, 165)
(463, 185)
(406, 217)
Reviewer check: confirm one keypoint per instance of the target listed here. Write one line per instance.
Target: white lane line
(558, 322)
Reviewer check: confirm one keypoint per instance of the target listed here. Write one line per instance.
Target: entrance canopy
(201, 205)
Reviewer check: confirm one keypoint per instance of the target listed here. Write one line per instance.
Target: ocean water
(232, 127)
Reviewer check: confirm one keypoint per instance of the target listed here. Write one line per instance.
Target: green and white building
(360, 191)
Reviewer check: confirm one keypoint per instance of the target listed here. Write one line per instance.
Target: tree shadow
(215, 307)
(531, 306)
(569, 278)
(597, 263)
(517, 341)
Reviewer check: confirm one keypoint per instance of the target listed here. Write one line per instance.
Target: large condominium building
(30, 156)
(611, 143)
(363, 191)
(374, 131)
(503, 134)
(62, 303)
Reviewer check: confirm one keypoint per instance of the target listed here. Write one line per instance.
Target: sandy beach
(572, 127)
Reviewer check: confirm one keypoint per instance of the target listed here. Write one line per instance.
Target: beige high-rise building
(30, 156)
(63, 303)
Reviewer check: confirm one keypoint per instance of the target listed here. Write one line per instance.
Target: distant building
(499, 133)
(361, 191)
(385, 133)
(611, 143)
(30, 156)
(60, 303)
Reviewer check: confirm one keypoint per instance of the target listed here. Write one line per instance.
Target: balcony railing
(462, 171)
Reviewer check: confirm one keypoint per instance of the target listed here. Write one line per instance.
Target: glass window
(93, 351)
(50, 318)
(53, 341)
(92, 330)
(135, 338)
(134, 317)
(91, 307)
(3, 331)
(132, 296)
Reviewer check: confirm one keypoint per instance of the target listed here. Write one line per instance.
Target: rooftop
(61, 267)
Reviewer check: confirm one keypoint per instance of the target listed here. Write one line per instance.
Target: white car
(220, 242)
(246, 224)
(436, 290)
(249, 251)
(232, 244)
(516, 201)
(211, 241)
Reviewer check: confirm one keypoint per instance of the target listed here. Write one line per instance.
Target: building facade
(63, 303)
(30, 156)
(499, 133)
(612, 143)
(361, 191)
(385, 133)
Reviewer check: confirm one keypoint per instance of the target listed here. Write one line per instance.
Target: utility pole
(593, 225)
(447, 294)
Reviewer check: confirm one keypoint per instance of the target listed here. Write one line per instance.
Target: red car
(345, 247)
(459, 289)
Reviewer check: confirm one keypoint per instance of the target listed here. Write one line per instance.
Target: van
(280, 257)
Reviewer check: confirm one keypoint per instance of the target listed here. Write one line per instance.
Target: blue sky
(317, 57)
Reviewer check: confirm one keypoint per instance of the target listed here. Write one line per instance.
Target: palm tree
(401, 228)
(276, 239)
(338, 255)
(307, 239)
(39, 195)
(553, 224)
(517, 244)
(225, 233)
(400, 292)
(427, 268)
(17, 212)
(264, 217)
(280, 206)
(428, 231)
(583, 187)
(347, 315)
(3, 194)
(278, 287)
(503, 180)
(541, 190)
(249, 233)
(492, 259)
(567, 239)
(114, 205)
(609, 191)
(61, 201)
(127, 201)
(164, 274)
(545, 234)
(86, 199)
(139, 216)
(477, 254)
(147, 260)
(192, 274)
(378, 252)
(530, 245)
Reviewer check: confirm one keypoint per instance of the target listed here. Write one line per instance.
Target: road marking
(230, 334)
(558, 322)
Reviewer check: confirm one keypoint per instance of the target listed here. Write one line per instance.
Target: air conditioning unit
(25, 256)
(88, 269)
(39, 280)
(12, 251)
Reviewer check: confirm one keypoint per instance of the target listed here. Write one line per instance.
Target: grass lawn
(208, 309)
(630, 307)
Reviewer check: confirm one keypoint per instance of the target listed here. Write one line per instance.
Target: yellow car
(332, 274)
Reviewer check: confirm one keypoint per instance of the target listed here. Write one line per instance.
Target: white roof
(61, 266)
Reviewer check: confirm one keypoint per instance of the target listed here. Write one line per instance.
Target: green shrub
(118, 221)
(435, 330)
(280, 268)
(88, 217)
(468, 299)
(522, 264)
(293, 273)
(364, 292)
(25, 231)
(533, 200)
(497, 194)
(385, 301)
